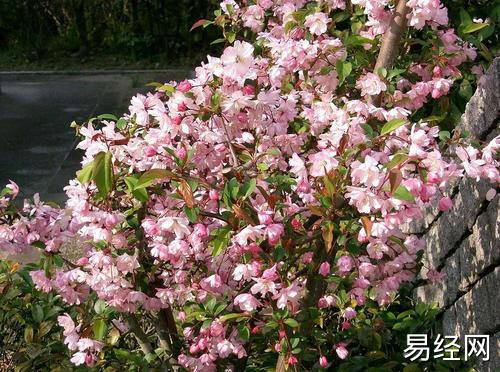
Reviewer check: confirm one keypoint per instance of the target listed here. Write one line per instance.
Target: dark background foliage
(104, 33)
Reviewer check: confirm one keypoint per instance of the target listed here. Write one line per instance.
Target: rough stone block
(477, 311)
(484, 106)
(450, 227)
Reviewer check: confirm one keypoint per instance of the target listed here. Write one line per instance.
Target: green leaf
(289, 26)
(140, 193)
(244, 332)
(191, 213)
(152, 175)
(37, 313)
(121, 123)
(169, 88)
(45, 328)
(85, 174)
(392, 125)
(262, 167)
(473, 27)
(343, 70)
(100, 306)
(465, 89)
(292, 323)
(248, 188)
(107, 117)
(368, 130)
(218, 41)
(402, 193)
(230, 36)
(465, 18)
(221, 239)
(231, 190)
(444, 135)
(395, 72)
(396, 160)
(273, 151)
(28, 335)
(154, 84)
(99, 327)
(356, 40)
(102, 173)
(230, 316)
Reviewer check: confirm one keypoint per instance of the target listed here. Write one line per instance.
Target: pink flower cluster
(269, 113)
(86, 348)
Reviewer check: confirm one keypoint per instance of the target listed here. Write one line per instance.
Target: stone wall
(464, 243)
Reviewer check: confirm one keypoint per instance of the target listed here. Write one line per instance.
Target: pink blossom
(345, 264)
(126, 263)
(184, 86)
(341, 350)
(324, 269)
(274, 232)
(317, 23)
(370, 85)
(14, 188)
(246, 302)
(350, 313)
(238, 59)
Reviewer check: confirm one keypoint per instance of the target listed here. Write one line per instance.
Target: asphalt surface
(37, 145)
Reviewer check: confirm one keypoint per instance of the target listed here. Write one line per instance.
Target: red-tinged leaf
(395, 179)
(343, 143)
(198, 23)
(187, 194)
(328, 235)
(367, 225)
(241, 214)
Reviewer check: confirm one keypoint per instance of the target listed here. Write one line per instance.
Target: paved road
(36, 142)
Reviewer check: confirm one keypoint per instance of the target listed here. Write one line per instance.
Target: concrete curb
(95, 72)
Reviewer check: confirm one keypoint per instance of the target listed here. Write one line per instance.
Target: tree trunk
(391, 41)
(81, 27)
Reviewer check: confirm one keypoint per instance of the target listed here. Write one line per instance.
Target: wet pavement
(37, 145)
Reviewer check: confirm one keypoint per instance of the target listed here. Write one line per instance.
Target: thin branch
(213, 215)
(230, 144)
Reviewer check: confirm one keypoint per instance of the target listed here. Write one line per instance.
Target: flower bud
(150, 151)
(445, 204)
(177, 120)
(296, 224)
(180, 152)
(184, 86)
(181, 107)
(324, 269)
(249, 90)
(213, 195)
(323, 362)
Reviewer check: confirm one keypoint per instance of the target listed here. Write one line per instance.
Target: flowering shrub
(256, 210)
